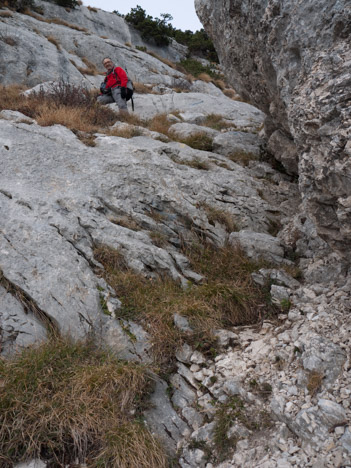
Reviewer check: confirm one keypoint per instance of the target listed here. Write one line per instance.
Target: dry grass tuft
(132, 119)
(221, 216)
(128, 132)
(9, 40)
(66, 104)
(220, 84)
(198, 141)
(141, 88)
(161, 59)
(228, 298)
(66, 401)
(242, 157)
(90, 68)
(54, 41)
(158, 238)
(159, 123)
(314, 383)
(55, 21)
(204, 77)
(6, 14)
(216, 122)
(230, 93)
(126, 221)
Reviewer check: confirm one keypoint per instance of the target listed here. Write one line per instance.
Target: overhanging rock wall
(292, 60)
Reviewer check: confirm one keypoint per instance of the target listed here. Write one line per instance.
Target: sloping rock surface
(34, 50)
(64, 197)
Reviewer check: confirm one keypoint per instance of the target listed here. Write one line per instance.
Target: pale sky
(183, 11)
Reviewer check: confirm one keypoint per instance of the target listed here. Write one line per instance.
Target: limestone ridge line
(29, 305)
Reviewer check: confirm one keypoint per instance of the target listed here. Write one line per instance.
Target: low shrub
(19, 5)
(66, 402)
(195, 68)
(65, 104)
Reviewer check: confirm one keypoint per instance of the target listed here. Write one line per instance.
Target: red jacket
(117, 77)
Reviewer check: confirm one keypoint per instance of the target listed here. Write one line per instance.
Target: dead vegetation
(228, 296)
(66, 402)
(58, 21)
(242, 157)
(66, 104)
(90, 68)
(54, 41)
(216, 215)
(6, 14)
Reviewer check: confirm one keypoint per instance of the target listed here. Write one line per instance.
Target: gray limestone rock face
(314, 424)
(292, 60)
(36, 463)
(185, 130)
(18, 328)
(163, 419)
(44, 51)
(284, 150)
(323, 357)
(235, 142)
(59, 199)
(259, 245)
(242, 115)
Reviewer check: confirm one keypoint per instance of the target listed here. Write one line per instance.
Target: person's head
(107, 63)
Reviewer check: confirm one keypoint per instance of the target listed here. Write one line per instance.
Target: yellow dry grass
(90, 68)
(72, 118)
(204, 77)
(159, 123)
(54, 41)
(141, 88)
(71, 401)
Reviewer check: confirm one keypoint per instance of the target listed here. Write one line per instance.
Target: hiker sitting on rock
(114, 88)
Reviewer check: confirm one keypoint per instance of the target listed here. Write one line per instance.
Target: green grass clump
(228, 297)
(65, 401)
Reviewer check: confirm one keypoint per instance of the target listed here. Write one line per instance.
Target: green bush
(195, 68)
(18, 5)
(160, 31)
(66, 3)
(154, 30)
